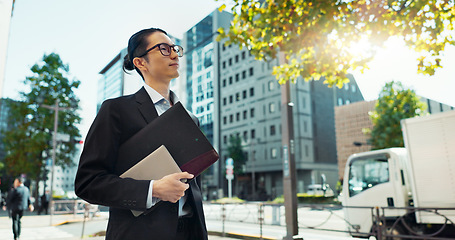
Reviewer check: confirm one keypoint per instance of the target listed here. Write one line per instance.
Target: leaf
(222, 7)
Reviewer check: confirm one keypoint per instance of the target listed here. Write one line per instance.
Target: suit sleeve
(96, 180)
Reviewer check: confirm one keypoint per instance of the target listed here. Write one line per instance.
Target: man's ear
(139, 63)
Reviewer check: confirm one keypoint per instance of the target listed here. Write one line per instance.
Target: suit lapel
(146, 106)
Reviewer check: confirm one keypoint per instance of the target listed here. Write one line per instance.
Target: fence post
(379, 224)
(75, 208)
(261, 218)
(223, 218)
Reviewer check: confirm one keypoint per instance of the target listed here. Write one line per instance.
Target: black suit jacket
(98, 182)
(18, 199)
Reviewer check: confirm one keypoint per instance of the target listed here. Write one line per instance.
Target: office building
(251, 109)
(6, 12)
(200, 76)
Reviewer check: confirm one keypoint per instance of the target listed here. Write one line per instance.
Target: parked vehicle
(321, 190)
(404, 181)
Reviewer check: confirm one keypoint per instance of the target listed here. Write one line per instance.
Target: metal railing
(73, 207)
(329, 218)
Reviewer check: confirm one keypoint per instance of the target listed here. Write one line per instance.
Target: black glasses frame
(176, 48)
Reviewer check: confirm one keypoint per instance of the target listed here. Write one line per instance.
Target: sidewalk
(39, 227)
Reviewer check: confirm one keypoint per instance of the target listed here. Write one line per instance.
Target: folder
(156, 165)
(176, 130)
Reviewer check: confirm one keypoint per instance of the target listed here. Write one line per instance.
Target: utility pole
(56, 107)
(289, 169)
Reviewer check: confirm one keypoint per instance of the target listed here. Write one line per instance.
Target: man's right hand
(171, 188)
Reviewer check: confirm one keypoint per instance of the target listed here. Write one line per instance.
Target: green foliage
(229, 200)
(306, 198)
(394, 104)
(319, 37)
(235, 151)
(28, 141)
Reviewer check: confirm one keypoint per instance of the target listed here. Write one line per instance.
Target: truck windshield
(366, 173)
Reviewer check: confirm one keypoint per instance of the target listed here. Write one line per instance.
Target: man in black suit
(17, 201)
(179, 215)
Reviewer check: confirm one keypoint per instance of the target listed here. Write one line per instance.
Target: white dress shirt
(161, 105)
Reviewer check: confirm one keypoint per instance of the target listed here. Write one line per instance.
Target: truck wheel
(397, 230)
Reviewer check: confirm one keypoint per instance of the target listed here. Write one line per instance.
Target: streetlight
(56, 107)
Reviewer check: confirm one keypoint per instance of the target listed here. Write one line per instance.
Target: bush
(306, 198)
(229, 200)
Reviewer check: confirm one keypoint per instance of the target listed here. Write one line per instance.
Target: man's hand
(31, 208)
(171, 188)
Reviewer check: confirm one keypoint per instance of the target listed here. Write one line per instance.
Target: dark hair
(136, 47)
(20, 179)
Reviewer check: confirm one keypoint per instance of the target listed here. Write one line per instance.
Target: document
(156, 165)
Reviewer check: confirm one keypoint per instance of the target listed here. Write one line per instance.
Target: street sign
(230, 174)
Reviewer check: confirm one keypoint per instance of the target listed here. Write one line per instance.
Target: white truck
(396, 181)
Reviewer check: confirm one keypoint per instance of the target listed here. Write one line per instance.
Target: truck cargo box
(430, 142)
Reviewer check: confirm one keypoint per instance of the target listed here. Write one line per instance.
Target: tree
(394, 104)
(28, 141)
(235, 151)
(319, 37)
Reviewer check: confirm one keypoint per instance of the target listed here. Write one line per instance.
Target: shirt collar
(156, 97)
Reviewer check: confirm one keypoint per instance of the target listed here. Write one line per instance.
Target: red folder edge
(200, 163)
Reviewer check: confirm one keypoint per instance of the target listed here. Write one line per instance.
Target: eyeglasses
(165, 49)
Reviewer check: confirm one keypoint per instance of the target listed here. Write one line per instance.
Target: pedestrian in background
(44, 203)
(17, 202)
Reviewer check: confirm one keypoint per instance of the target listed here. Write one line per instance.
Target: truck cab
(376, 178)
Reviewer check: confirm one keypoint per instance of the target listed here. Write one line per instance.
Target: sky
(87, 34)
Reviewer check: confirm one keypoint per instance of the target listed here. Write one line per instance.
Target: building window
(244, 94)
(230, 99)
(243, 55)
(224, 64)
(224, 101)
(237, 97)
(252, 113)
(245, 113)
(251, 92)
(272, 130)
(253, 133)
(353, 88)
(272, 107)
(245, 135)
(230, 61)
(224, 82)
(273, 153)
(230, 80)
(231, 118)
(271, 85)
(237, 116)
(348, 102)
(224, 139)
(251, 71)
(346, 86)
(224, 120)
(224, 47)
(237, 77)
(306, 150)
(236, 58)
(340, 101)
(243, 74)
(305, 126)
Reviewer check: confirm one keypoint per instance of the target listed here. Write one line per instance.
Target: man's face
(16, 183)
